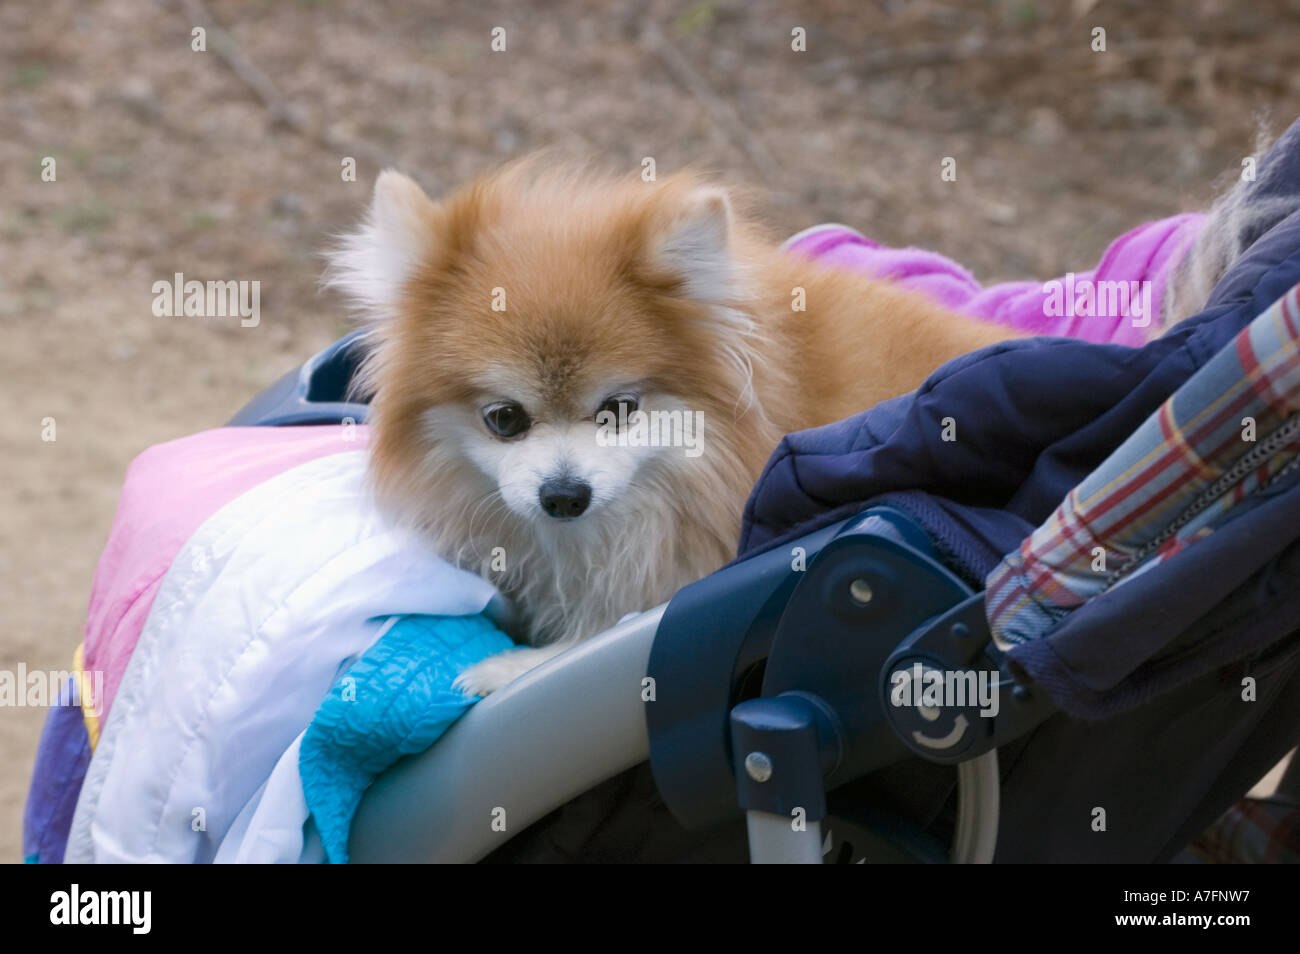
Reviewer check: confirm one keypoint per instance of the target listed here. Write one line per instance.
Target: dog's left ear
(693, 246)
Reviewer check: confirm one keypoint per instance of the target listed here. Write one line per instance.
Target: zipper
(1287, 433)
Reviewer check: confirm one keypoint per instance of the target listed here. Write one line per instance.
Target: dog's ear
(692, 245)
(369, 266)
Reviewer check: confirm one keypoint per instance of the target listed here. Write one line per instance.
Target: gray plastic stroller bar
(525, 750)
(774, 841)
(979, 806)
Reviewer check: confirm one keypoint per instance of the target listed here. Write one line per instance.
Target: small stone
(1046, 127)
(288, 204)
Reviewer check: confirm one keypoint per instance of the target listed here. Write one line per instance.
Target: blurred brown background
(225, 164)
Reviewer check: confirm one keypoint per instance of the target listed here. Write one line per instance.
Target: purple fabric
(61, 761)
(1145, 254)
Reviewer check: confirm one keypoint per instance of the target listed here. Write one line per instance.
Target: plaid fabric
(1254, 831)
(1231, 430)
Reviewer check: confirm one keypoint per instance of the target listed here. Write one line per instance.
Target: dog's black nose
(563, 497)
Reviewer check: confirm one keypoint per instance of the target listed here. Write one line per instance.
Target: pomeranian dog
(519, 323)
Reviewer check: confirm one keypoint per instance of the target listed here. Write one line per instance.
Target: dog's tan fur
(608, 278)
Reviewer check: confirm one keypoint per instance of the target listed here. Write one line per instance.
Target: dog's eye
(620, 405)
(506, 419)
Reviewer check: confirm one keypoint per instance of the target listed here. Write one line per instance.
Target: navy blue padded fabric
(1033, 418)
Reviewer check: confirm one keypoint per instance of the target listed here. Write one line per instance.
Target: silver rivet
(758, 766)
(860, 590)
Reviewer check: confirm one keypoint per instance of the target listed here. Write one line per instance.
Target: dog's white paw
(500, 670)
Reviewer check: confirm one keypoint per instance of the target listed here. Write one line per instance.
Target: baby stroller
(1137, 646)
(762, 693)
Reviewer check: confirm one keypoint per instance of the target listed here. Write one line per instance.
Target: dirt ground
(226, 164)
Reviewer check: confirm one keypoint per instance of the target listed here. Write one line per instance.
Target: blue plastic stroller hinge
(782, 748)
(952, 694)
(868, 590)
